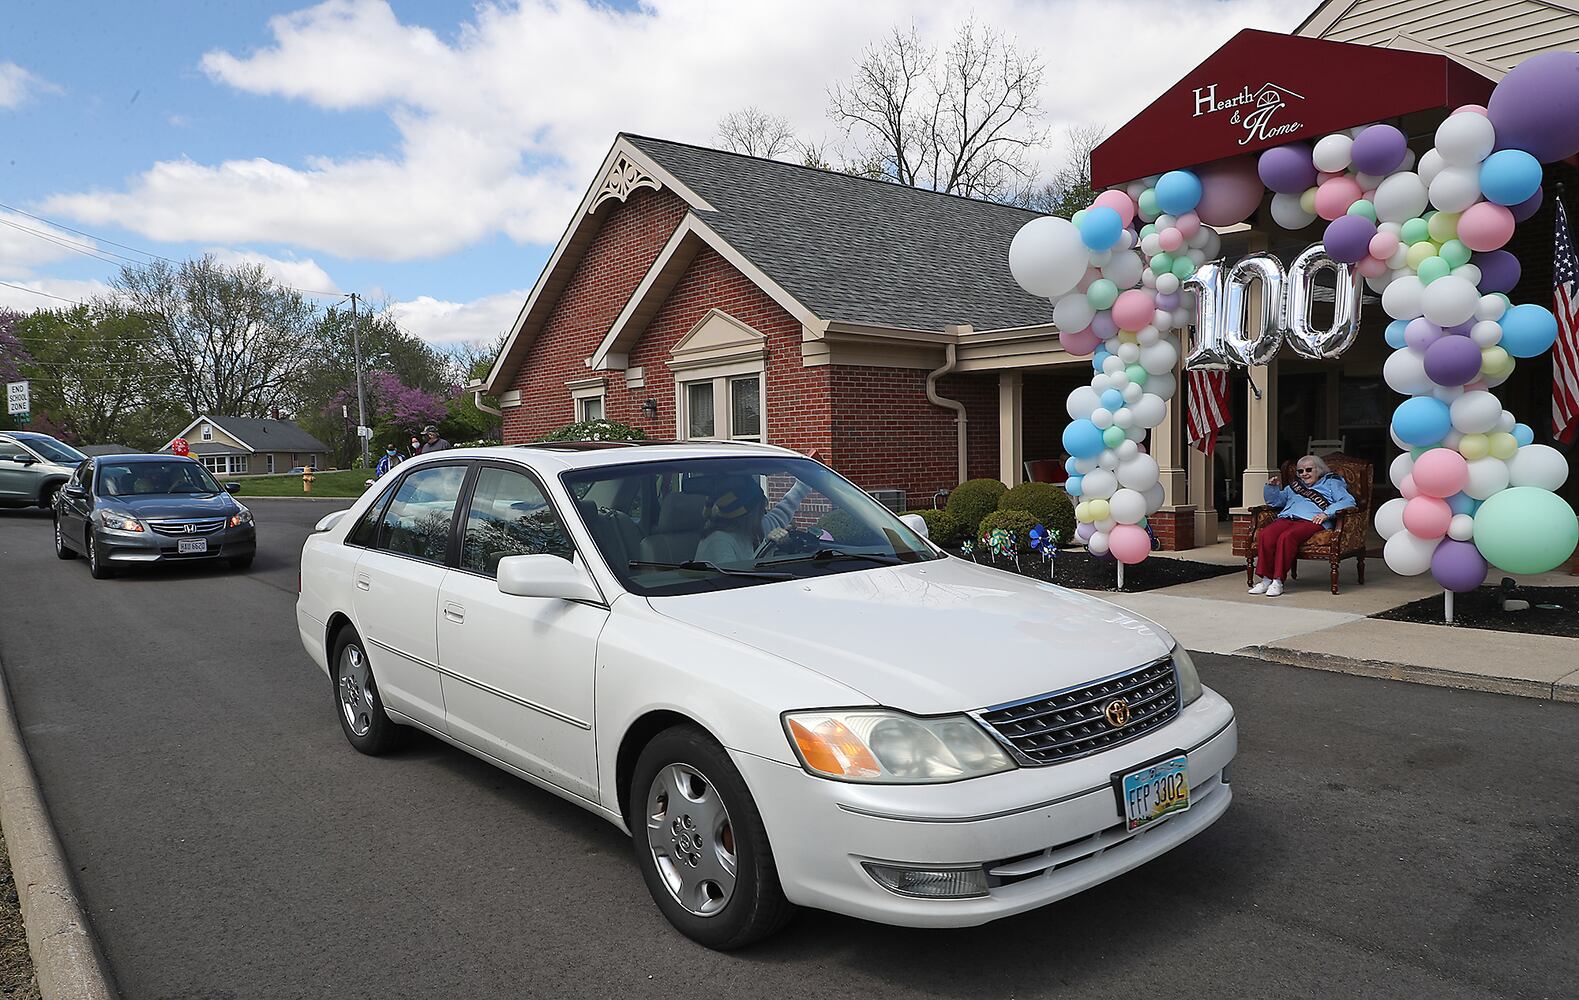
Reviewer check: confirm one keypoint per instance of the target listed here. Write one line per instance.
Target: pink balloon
(1134, 309)
(1130, 544)
(1188, 225)
(1119, 202)
(1384, 245)
(1080, 343)
(1407, 488)
(1323, 176)
(1485, 226)
(1440, 472)
(1370, 267)
(1170, 239)
(1427, 517)
(1474, 109)
(1231, 190)
(1334, 197)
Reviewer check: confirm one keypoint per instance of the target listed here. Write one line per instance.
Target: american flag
(1565, 356)
(1209, 413)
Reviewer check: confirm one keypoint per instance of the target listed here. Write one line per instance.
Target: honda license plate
(1159, 789)
(190, 546)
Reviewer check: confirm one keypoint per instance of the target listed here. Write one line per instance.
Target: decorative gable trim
(623, 177)
(718, 339)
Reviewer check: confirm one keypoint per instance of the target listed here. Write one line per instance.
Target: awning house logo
(1260, 112)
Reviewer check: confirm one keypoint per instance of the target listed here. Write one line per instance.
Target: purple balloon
(1421, 333)
(1461, 330)
(1528, 207)
(1085, 531)
(1379, 150)
(1452, 361)
(1167, 300)
(1348, 238)
(1536, 106)
(1103, 325)
(1499, 271)
(1458, 566)
(1287, 169)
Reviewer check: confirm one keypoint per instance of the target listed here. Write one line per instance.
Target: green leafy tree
(90, 373)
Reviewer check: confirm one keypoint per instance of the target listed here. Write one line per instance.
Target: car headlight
(886, 747)
(243, 516)
(1189, 680)
(119, 522)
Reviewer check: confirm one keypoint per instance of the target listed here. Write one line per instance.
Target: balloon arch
(1130, 273)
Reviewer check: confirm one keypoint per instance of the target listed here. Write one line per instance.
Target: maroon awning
(1265, 89)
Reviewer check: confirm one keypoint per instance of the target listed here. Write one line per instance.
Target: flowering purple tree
(12, 354)
(397, 410)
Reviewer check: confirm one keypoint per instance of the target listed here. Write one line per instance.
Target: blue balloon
(1462, 503)
(1395, 334)
(1178, 191)
(1510, 176)
(1112, 400)
(1100, 227)
(1422, 420)
(1072, 485)
(1100, 356)
(1083, 439)
(1528, 331)
(1524, 434)
(1070, 467)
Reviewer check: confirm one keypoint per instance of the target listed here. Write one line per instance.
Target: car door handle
(364, 582)
(455, 613)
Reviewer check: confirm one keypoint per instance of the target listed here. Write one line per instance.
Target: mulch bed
(16, 965)
(1482, 609)
(1083, 571)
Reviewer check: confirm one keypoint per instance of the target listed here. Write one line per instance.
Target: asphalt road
(1386, 840)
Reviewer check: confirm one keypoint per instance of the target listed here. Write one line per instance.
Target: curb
(1413, 673)
(66, 958)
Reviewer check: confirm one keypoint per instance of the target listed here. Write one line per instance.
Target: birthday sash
(1312, 494)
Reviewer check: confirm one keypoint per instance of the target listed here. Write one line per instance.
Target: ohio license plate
(1159, 789)
(188, 546)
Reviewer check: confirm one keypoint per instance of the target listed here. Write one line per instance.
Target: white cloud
(480, 320)
(305, 275)
(501, 123)
(58, 293)
(26, 243)
(17, 85)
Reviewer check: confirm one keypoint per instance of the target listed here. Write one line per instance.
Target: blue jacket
(386, 463)
(1295, 506)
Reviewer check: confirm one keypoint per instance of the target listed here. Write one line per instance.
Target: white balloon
(1400, 258)
(1486, 333)
(1506, 422)
(1288, 213)
(1162, 385)
(1126, 450)
(1476, 413)
(1128, 506)
(1213, 244)
(1124, 418)
(1369, 182)
(1496, 380)
(1047, 256)
(1081, 402)
(1139, 472)
(1100, 383)
(1119, 378)
(1404, 372)
(1147, 279)
(1147, 335)
(1112, 366)
(1487, 476)
(1431, 164)
(1469, 272)
(1124, 269)
(1392, 436)
(1084, 465)
(1162, 319)
(1465, 139)
(1102, 417)
(1159, 358)
(1407, 555)
(1151, 244)
(1136, 434)
(1097, 543)
(1402, 298)
(1099, 258)
(1491, 307)
(1461, 528)
(1135, 189)
(1073, 313)
(1402, 466)
(1168, 283)
(1150, 410)
(1125, 241)
(1098, 484)
(1401, 197)
(1154, 497)
(1128, 353)
(1332, 153)
(1132, 393)
(1532, 465)
(1379, 284)
(1390, 517)
(1449, 301)
(1107, 460)
(1448, 393)
(1455, 188)
(1451, 440)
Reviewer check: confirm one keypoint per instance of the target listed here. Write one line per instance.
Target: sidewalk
(1310, 627)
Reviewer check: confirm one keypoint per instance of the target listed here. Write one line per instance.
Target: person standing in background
(431, 441)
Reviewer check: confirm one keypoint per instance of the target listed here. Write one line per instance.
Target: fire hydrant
(307, 480)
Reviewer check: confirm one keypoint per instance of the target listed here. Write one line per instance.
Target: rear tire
(98, 566)
(61, 551)
(357, 704)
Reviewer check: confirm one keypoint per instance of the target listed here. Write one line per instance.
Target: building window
(700, 420)
(745, 408)
(207, 431)
(238, 465)
(271, 462)
(724, 408)
(589, 408)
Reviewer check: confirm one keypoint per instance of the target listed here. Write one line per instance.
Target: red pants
(1278, 543)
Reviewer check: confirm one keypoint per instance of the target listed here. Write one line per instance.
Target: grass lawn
(343, 483)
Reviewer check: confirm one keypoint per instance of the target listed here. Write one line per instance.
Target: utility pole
(361, 401)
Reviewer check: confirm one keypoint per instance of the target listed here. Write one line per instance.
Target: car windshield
(51, 450)
(688, 525)
(136, 479)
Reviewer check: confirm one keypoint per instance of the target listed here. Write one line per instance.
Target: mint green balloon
(1162, 263)
(1137, 375)
(1078, 216)
(1183, 267)
(1417, 452)
(1525, 529)
(1148, 203)
(1433, 268)
(1102, 294)
(1415, 231)
(1148, 229)
(1455, 253)
(1363, 207)
(1113, 436)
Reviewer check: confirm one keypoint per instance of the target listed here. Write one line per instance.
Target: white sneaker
(1276, 589)
(1261, 585)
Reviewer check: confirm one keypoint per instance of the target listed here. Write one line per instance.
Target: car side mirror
(546, 576)
(330, 520)
(22, 459)
(232, 487)
(916, 523)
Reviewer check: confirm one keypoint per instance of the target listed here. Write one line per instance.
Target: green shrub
(846, 530)
(973, 500)
(1049, 504)
(1017, 522)
(595, 430)
(942, 527)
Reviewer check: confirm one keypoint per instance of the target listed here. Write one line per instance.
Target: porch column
(1174, 523)
(1260, 448)
(1202, 472)
(1011, 436)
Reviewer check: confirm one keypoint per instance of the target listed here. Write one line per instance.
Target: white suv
(785, 692)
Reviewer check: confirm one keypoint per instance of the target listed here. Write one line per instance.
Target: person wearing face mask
(390, 459)
(1305, 507)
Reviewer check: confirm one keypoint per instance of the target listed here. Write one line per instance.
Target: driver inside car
(738, 521)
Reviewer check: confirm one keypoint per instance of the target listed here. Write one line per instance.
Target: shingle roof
(270, 435)
(858, 250)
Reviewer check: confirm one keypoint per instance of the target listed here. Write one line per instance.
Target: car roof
(118, 459)
(561, 456)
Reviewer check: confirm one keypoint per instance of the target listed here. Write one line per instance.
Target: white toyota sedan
(784, 692)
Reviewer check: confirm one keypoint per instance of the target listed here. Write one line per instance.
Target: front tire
(360, 709)
(61, 549)
(98, 566)
(701, 844)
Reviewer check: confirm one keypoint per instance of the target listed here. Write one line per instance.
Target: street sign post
(18, 402)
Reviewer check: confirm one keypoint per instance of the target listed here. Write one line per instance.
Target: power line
(104, 255)
(145, 253)
(47, 295)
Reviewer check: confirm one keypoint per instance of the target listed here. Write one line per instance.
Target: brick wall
(1175, 529)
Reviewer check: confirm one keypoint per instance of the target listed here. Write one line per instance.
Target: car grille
(1064, 725)
(178, 527)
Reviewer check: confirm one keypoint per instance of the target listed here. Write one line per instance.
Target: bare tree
(1070, 188)
(959, 123)
(754, 132)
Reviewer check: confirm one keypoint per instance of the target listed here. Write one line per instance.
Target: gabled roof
(259, 434)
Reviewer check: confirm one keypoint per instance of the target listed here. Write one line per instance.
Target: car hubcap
(93, 553)
(59, 544)
(356, 696)
(692, 840)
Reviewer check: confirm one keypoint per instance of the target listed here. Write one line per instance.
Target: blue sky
(428, 154)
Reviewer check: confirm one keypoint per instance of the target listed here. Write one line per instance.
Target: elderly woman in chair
(1305, 506)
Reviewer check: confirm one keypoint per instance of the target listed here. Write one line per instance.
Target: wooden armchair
(1347, 536)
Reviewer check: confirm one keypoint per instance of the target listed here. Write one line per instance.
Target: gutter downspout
(960, 420)
(484, 407)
